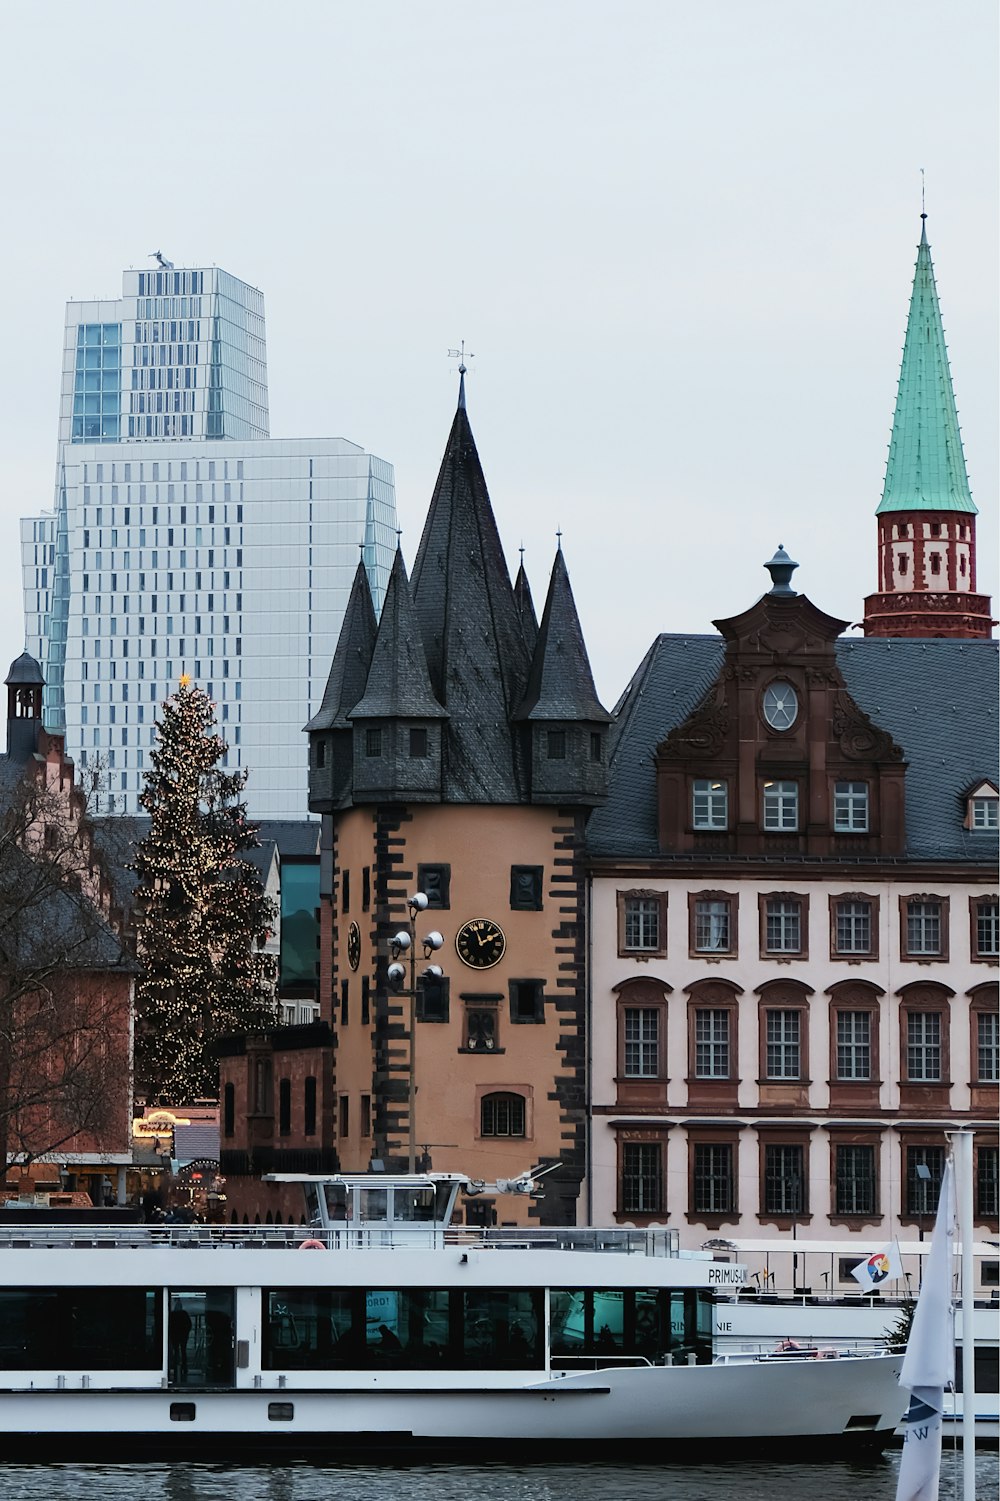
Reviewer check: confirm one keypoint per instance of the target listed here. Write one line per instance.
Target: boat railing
(374, 1236)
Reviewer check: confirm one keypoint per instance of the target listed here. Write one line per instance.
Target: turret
(566, 724)
(397, 722)
(24, 707)
(331, 736)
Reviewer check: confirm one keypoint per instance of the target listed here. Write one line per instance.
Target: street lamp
(404, 948)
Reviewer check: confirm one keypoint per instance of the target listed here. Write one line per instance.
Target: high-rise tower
(184, 538)
(927, 518)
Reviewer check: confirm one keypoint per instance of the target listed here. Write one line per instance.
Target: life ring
(311, 1245)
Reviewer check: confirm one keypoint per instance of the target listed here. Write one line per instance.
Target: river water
(548, 1482)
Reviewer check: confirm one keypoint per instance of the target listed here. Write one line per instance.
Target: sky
(678, 239)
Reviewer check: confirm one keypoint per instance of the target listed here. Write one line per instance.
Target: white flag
(929, 1362)
(878, 1268)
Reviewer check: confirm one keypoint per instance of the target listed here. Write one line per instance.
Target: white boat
(382, 1324)
(791, 1299)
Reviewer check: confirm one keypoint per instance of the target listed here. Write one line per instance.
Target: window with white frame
(711, 1043)
(850, 807)
(854, 1045)
(781, 806)
(712, 925)
(642, 1042)
(923, 927)
(784, 1047)
(923, 1047)
(853, 927)
(783, 925)
(710, 804)
(643, 921)
(988, 1047)
(984, 812)
(986, 932)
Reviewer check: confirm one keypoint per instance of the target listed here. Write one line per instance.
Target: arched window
(502, 1115)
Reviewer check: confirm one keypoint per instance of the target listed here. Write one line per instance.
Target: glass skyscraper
(185, 539)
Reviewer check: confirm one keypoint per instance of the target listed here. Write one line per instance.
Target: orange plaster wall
(480, 844)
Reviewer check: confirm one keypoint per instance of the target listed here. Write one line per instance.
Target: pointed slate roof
(476, 655)
(351, 660)
(525, 608)
(560, 685)
(398, 685)
(926, 467)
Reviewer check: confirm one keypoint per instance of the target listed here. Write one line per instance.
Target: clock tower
(458, 751)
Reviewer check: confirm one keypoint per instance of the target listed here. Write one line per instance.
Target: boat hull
(785, 1409)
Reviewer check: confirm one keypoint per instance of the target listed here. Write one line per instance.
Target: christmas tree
(204, 917)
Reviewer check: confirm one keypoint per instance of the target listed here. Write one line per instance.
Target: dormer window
(709, 804)
(982, 813)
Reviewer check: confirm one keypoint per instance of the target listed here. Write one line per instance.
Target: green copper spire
(926, 468)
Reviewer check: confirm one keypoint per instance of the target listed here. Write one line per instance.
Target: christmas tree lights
(204, 917)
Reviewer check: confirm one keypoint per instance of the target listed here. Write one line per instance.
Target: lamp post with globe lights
(403, 947)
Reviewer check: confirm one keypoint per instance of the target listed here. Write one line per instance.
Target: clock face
(480, 943)
(354, 945)
(781, 705)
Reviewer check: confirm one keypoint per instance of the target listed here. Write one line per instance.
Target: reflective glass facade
(181, 354)
(199, 545)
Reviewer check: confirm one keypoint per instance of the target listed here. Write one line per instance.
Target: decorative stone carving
(859, 739)
(703, 734)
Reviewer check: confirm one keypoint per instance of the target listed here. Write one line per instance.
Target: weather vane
(459, 355)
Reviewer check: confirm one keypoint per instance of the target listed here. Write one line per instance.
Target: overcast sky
(679, 239)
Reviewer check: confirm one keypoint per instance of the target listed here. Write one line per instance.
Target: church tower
(927, 518)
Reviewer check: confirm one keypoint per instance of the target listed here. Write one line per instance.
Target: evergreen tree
(203, 915)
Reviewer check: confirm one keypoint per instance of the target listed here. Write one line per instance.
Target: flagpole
(963, 1163)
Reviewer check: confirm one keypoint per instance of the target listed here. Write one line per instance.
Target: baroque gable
(778, 758)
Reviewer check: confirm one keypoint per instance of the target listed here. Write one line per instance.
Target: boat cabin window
(421, 1205)
(337, 1201)
(373, 1204)
(648, 1324)
(81, 1329)
(403, 1329)
(200, 1338)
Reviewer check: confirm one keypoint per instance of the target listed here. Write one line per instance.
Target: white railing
(405, 1235)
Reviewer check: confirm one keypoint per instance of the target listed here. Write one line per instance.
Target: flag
(929, 1362)
(878, 1268)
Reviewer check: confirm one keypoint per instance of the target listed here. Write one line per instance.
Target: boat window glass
(311, 1329)
(337, 1201)
(374, 1205)
(502, 1327)
(81, 1328)
(312, 1203)
(200, 1346)
(629, 1325)
(402, 1329)
(413, 1204)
